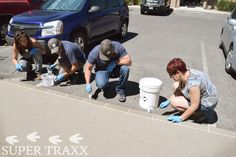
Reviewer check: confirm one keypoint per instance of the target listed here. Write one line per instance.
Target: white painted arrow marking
(12, 140)
(33, 137)
(75, 138)
(55, 139)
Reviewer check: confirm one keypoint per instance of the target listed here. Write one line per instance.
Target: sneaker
(121, 97)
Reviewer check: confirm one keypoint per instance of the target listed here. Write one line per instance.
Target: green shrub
(135, 2)
(226, 6)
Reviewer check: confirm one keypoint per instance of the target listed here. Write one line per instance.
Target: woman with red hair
(193, 92)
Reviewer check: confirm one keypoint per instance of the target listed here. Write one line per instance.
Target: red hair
(175, 65)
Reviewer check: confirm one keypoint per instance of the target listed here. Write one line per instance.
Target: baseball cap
(54, 45)
(106, 51)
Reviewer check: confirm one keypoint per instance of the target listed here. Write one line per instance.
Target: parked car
(228, 42)
(9, 8)
(154, 6)
(79, 21)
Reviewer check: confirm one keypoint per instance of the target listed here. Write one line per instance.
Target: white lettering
(4, 150)
(57, 150)
(83, 148)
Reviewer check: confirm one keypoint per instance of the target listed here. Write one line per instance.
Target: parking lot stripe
(205, 69)
(204, 60)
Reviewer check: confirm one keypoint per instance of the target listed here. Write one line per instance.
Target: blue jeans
(102, 78)
(26, 61)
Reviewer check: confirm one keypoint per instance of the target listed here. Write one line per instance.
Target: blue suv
(79, 21)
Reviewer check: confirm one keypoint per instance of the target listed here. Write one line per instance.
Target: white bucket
(47, 80)
(149, 92)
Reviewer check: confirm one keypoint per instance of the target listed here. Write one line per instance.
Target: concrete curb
(203, 128)
(191, 9)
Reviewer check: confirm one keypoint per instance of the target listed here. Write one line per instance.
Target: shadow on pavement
(110, 92)
(161, 99)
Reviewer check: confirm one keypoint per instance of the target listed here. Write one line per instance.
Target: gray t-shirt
(207, 88)
(94, 59)
(72, 55)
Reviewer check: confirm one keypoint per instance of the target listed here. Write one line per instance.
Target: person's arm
(37, 45)
(88, 71)
(15, 55)
(68, 72)
(125, 60)
(194, 94)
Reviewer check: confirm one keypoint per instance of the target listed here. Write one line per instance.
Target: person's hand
(175, 119)
(111, 66)
(18, 67)
(88, 88)
(33, 51)
(165, 104)
(60, 78)
(51, 67)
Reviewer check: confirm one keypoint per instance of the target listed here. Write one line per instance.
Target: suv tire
(3, 29)
(142, 11)
(80, 39)
(228, 60)
(123, 29)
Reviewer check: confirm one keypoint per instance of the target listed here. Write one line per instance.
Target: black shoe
(121, 97)
(95, 95)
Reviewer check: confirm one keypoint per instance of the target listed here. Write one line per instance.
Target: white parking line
(204, 60)
(205, 70)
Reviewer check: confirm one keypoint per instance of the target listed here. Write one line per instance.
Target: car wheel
(221, 45)
(228, 62)
(80, 39)
(142, 11)
(123, 30)
(3, 31)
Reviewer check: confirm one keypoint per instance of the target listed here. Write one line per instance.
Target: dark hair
(18, 36)
(176, 64)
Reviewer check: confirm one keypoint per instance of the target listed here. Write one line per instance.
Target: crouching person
(70, 59)
(30, 51)
(110, 59)
(194, 93)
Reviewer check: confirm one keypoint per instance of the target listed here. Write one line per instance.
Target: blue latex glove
(34, 51)
(165, 104)
(175, 119)
(111, 66)
(88, 88)
(18, 67)
(51, 67)
(60, 78)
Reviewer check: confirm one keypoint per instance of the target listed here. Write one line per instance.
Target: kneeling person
(70, 58)
(110, 59)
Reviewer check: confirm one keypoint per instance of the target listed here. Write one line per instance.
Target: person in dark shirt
(70, 58)
(110, 59)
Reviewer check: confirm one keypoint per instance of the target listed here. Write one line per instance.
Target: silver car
(228, 42)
